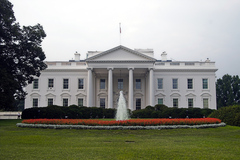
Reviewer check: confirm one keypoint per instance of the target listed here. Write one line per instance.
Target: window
(175, 102)
(205, 102)
(190, 83)
(160, 83)
(65, 102)
(102, 102)
(205, 83)
(102, 83)
(35, 102)
(160, 101)
(138, 103)
(50, 83)
(50, 101)
(65, 83)
(175, 83)
(80, 102)
(190, 102)
(80, 83)
(138, 83)
(120, 83)
(35, 83)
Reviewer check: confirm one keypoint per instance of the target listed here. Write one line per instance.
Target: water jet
(122, 112)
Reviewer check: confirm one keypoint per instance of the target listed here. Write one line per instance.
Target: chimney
(77, 56)
(164, 56)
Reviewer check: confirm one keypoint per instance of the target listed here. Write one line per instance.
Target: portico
(125, 66)
(135, 84)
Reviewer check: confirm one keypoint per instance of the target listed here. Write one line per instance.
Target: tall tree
(228, 91)
(21, 56)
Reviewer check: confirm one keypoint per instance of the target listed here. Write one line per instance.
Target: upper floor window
(102, 83)
(175, 83)
(50, 83)
(120, 83)
(35, 83)
(190, 83)
(138, 83)
(80, 83)
(160, 83)
(65, 83)
(205, 83)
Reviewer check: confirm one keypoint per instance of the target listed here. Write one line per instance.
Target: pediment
(81, 95)
(160, 95)
(50, 95)
(35, 95)
(65, 95)
(190, 95)
(206, 95)
(119, 54)
(175, 95)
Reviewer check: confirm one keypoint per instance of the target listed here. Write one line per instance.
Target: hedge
(162, 111)
(76, 112)
(71, 112)
(230, 115)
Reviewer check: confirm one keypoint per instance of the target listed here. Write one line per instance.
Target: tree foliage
(21, 56)
(228, 91)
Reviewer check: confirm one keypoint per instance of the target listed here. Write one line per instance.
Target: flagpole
(120, 33)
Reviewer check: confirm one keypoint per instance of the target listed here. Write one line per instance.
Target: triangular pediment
(50, 95)
(120, 53)
(160, 95)
(190, 95)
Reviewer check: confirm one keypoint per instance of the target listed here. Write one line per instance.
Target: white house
(97, 81)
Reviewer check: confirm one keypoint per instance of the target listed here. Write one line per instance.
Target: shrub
(162, 111)
(160, 107)
(230, 115)
(71, 112)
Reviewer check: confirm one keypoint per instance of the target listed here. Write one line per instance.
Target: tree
(21, 56)
(228, 91)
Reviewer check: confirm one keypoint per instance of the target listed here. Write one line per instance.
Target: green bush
(230, 115)
(160, 107)
(71, 112)
(162, 111)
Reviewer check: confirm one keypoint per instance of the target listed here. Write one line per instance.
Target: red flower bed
(131, 122)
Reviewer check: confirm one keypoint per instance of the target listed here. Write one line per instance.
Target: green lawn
(33, 143)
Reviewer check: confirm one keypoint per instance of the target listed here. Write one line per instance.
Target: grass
(34, 143)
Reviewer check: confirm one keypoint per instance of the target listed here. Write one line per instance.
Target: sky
(188, 30)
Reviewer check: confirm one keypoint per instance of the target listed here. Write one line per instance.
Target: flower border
(130, 122)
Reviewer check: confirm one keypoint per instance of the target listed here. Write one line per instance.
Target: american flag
(120, 27)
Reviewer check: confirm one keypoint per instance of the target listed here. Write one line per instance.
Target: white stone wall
(118, 60)
(183, 93)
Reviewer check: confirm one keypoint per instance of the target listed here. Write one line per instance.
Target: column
(89, 88)
(151, 87)
(130, 98)
(110, 88)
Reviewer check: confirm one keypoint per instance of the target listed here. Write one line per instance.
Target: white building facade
(97, 81)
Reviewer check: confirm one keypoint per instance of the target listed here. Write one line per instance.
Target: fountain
(122, 112)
